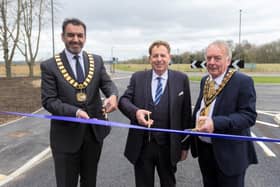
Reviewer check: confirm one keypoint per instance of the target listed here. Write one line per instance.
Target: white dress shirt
(217, 81)
(72, 61)
(154, 83)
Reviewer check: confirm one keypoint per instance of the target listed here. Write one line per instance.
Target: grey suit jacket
(137, 97)
(59, 98)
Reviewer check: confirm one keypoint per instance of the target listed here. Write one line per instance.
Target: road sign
(198, 64)
(115, 60)
(236, 64)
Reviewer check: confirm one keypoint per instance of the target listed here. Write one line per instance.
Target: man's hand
(110, 104)
(141, 116)
(206, 124)
(82, 114)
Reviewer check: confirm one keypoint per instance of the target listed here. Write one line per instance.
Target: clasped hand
(205, 124)
(143, 117)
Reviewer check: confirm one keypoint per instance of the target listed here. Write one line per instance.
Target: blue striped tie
(158, 91)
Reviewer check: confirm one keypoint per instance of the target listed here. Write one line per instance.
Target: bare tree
(32, 21)
(9, 31)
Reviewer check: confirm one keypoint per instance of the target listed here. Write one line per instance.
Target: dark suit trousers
(84, 162)
(211, 174)
(154, 155)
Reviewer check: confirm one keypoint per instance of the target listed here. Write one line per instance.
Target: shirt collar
(219, 79)
(70, 55)
(163, 76)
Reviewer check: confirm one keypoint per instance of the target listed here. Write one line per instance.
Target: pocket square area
(181, 93)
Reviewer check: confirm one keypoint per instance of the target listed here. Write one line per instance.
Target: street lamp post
(239, 38)
(240, 12)
(112, 52)
(52, 28)
(112, 57)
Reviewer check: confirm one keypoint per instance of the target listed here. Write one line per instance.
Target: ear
(228, 61)
(149, 59)
(62, 37)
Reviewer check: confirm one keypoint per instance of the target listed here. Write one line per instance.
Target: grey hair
(222, 45)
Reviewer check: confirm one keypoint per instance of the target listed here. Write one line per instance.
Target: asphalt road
(116, 171)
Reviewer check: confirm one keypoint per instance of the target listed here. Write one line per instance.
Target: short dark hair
(73, 21)
(159, 43)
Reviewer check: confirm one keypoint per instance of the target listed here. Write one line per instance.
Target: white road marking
(271, 113)
(2, 177)
(38, 158)
(266, 150)
(267, 124)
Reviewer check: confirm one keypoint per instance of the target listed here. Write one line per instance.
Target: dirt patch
(20, 94)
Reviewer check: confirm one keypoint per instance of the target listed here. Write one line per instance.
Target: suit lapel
(200, 98)
(219, 97)
(172, 90)
(147, 88)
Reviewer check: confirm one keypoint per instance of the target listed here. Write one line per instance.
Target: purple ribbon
(95, 121)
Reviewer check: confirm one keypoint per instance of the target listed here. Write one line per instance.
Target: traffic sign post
(113, 62)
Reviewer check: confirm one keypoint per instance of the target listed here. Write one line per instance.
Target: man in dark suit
(228, 108)
(160, 98)
(70, 87)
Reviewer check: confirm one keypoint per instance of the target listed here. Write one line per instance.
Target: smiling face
(159, 58)
(217, 59)
(74, 38)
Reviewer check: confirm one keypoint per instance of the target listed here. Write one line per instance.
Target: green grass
(257, 79)
(263, 79)
(186, 68)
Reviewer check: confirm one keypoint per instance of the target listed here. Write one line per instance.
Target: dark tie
(158, 91)
(79, 71)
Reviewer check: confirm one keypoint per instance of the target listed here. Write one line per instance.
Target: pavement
(23, 143)
(277, 119)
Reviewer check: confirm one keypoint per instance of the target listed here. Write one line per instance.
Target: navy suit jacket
(234, 113)
(59, 98)
(137, 97)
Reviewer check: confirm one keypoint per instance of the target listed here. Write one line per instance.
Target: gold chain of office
(70, 79)
(208, 99)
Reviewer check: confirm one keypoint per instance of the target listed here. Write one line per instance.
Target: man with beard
(71, 82)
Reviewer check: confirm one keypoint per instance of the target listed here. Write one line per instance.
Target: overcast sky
(127, 27)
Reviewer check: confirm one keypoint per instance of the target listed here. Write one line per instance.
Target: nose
(210, 60)
(75, 38)
(158, 57)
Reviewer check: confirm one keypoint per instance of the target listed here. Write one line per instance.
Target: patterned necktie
(158, 91)
(79, 71)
